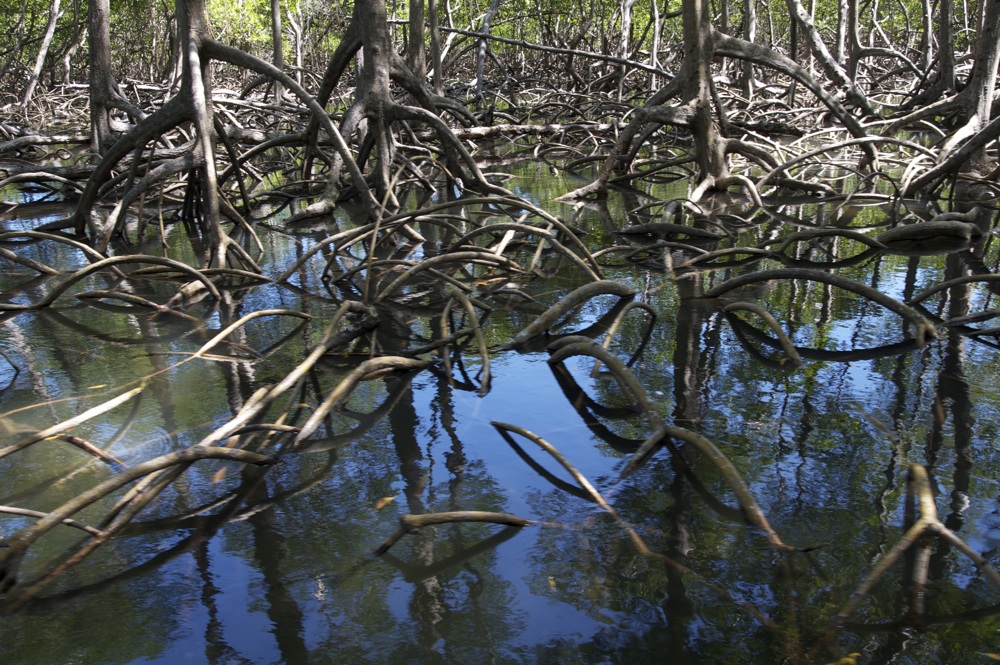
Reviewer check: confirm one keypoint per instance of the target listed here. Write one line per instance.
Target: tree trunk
(373, 88)
(105, 94)
(946, 51)
(926, 46)
(277, 46)
(295, 26)
(818, 50)
(196, 89)
(415, 55)
(693, 85)
(853, 44)
(840, 36)
(626, 43)
(432, 9)
(709, 148)
(73, 46)
(43, 50)
(965, 149)
(982, 83)
(750, 35)
(100, 75)
(481, 55)
(654, 49)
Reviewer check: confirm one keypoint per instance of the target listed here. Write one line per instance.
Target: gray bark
(100, 75)
(432, 9)
(481, 55)
(415, 57)
(277, 46)
(43, 50)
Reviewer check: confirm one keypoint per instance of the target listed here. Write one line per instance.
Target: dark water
(237, 566)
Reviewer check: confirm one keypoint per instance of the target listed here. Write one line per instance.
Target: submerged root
(923, 328)
(62, 427)
(752, 510)
(367, 370)
(592, 493)
(918, 492)
(115, 261)
(768, 318)
(20, 542)
(577, 346)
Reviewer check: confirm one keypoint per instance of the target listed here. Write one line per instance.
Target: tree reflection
(819, 447)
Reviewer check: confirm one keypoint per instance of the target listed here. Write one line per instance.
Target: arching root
(923, 328)
(570, 302)
(772, 323)
(918, 491)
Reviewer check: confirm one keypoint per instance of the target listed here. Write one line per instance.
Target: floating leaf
(849, 659)
(219, 476)
(383, 502)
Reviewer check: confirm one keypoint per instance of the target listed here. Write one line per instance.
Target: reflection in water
(243, 566)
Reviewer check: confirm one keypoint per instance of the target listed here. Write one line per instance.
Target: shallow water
(284, 572)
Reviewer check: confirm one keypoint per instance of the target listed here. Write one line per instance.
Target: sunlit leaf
(849, 659)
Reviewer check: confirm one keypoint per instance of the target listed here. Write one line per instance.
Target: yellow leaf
(991, 656)
(218, 476)
(383, 502)
(849, 659)
(99, 385)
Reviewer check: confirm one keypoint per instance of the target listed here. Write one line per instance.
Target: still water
(241, 566)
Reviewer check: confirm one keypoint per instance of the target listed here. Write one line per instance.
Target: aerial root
(571, 346)
(545, 236)
(413, 523)
(581, 480)
(751, 509)
(570, 302)
(574, 345)
(468, 256)
(505, 430)
(114, 261)
(708, 259)
(477, 332)
(772, 323)
(918, 495)
(958, 281)
(265, 396)
(616, 323)
(799, 236)
(20, 542)
(923, 328)
(865, 142)
(338, 396)
(89, 252)
(27, 262)
(25, 512)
